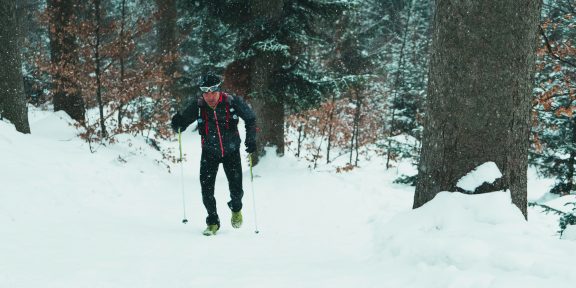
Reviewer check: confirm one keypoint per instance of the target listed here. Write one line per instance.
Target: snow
(570, 233)
(472, 246)
(485, 173)
(71, 218)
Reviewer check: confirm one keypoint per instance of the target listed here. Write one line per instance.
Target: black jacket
(219, 126)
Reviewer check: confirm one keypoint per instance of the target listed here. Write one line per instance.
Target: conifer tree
(274, 66)
(281, 70)
(554, 121)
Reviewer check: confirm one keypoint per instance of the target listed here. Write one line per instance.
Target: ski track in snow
(69, 218)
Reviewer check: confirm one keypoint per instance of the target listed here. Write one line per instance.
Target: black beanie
(209, 80)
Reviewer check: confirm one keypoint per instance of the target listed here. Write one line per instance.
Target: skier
(217, 115)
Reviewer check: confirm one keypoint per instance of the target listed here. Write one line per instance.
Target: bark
(167, 41)
(354, 93)
(97, 64)
(330, 127)
(571, 161)
(300, 139)
(480, 83)
(123, 44)
(12, 99)
(167, 26)
(357, 119)
(356, 125)
(269, 107)
(64, 55)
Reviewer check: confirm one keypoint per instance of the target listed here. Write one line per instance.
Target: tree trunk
(123, 43)
(330, 127)
(268, 106)
(357, 147)
(64, 56)
(97, 67)
(356, 125)
(167, 26)
(480, 84)
(397, 83)
(167, 41)
(300, 139)
(12, 99)
(571, 160)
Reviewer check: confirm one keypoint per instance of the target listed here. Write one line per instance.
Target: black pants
(208, 170)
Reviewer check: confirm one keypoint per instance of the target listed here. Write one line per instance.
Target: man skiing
(217, 115)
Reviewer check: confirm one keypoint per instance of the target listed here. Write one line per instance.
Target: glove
(176, 124)
(250, 146)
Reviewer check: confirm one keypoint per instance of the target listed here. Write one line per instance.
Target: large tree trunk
(64, 56)
(268, 106)
(480, 82)
(12, 99)
(167, 26)
(167, 41)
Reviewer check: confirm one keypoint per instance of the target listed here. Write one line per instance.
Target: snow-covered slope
(70, 218)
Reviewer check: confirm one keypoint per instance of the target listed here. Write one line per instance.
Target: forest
(347, 78)
(357, 114)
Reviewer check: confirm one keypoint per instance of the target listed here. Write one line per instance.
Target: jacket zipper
(219, 135)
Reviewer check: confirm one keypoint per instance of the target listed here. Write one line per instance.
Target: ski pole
(253, 195)
(184, 220)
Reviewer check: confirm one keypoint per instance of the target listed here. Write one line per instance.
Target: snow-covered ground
(70, 218)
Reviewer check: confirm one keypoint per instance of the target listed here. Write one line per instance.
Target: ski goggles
(211, 88)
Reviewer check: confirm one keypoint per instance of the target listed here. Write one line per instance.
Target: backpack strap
(228, 100)
(205, 116)
(227, 115)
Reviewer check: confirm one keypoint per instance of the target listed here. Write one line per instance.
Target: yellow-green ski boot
(211, 230)
(236, 219)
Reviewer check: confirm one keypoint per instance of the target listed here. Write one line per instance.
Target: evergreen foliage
(554, 123)
(566, 218)
(300, 44)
